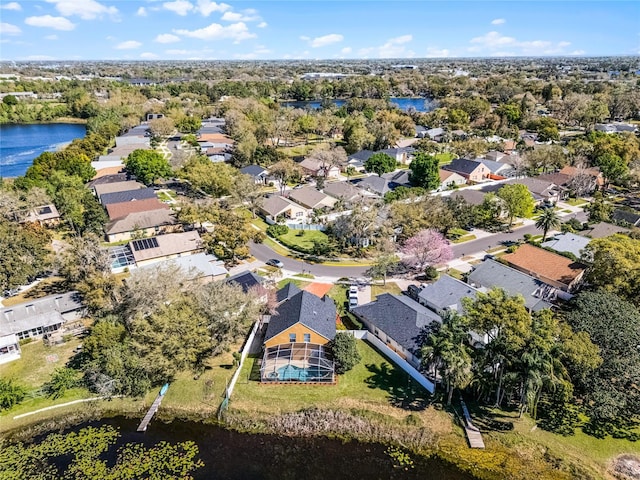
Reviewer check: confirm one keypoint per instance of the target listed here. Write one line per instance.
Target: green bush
(10, 393)
(430, 273)
(345, 352)
(276, 230)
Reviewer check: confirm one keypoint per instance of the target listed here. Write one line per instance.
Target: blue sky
(203, 29)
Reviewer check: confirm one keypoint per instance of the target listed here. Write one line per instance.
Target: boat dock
(473, 434)
(154, 408)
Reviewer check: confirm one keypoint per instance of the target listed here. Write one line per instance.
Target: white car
(353, 291)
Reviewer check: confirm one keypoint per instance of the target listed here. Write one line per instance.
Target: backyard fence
(305, 226)
(397, 359)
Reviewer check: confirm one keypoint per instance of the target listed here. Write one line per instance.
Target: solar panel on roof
(145, 244)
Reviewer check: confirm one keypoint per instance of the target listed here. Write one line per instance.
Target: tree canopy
(425, 172)
(517, 200)
(148, 166)
(380, 163)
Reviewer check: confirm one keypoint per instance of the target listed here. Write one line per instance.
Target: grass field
(303, 243)
(298, 283)
(48, 286)
(390, 287)
(464, 238)
(576, 202)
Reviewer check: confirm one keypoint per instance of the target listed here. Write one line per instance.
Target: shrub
(430, 273)
(10, 393)
(62, 380)
(345, 352)
(276, 230)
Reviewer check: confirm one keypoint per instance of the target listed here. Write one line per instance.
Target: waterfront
(418, 104)
(20, 144)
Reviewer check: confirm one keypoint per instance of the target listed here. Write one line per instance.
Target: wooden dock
(473, 434)
(154, 408)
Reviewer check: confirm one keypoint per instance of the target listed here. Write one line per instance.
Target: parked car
(353, 302)
(353, 291)
(274, 262)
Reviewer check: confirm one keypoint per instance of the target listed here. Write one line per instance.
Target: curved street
(263, 253)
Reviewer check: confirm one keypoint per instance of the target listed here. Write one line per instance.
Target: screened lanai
(297, 362)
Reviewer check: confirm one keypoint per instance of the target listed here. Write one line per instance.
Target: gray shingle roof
(462, 165)
(286, 292)
(447, 292)
(141, 220)
(362, 155)
(319, 314)
(201, 264)
(253, 170)
(568, 242)
(472, 197)
(127, 196)
(399, 317)
(246, 280)
(490, 273)
(374, 184)
(343, 190)
(632, 218)
(31, 314)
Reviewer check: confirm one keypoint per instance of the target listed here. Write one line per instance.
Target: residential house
(398, 321)
(119, 210)
(373, 184)
(200, 266)
(445, 294)
(472, 197)
(421, 131)
(449, 180)
(128, 196)
(495, 155)
(603, 229)
(593, 172)
(492, 274)
(615, 127)
(358, 159)
(117, 177)
(318, 168)
(550, 268)
(626, 217)
(296, 339)
(542, 191)
(258, 173)
(312, 198)
(499, 170)
(568, 243)
(344, 191)
(172, 245)
(472, 170)
(147, 223)
(217, 140)
(435, 134)
(212, 125)
(399, 178)
(401, 155)
(249, 281)
(276, 206)
(45, 215)
(113, 187)
(35, 319)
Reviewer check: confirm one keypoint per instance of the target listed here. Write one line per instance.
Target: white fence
(243, 356)
(397, 359)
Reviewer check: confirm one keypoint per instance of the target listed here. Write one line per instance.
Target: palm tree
(547, 220)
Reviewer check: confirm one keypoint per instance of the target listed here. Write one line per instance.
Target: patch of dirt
(627, 467)
(319, 289)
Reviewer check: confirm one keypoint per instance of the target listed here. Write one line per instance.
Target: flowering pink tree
(425, 248)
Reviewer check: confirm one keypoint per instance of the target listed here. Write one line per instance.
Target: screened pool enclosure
(297, 363)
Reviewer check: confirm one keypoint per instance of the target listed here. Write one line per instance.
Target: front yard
(302, 240)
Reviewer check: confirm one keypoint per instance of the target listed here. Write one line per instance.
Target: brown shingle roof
(543, 264)
(117, 210)
(117, 187)
(140, 220)
(169, 244)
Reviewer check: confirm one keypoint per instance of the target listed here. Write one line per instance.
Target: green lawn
(390, 287)
(576, 202)
(444, 158)
(167, 196)
(301, 240)
(276, 247)
(452, 272)
(375, 381)
(464, 238)
(261, 224)
(48, 286)
(298, 283)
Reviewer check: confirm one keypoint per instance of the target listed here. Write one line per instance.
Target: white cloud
(236, 31)
(498, 21)
(142, 12)
(437, 53)
(249, 15)
(167, 38)
(51, 37)
(128, 45)
(493, 43)
(148, 55)
(260, 50)
(85, 9)
(346, 50)
(40, 57)
(11, 6)
(262, 25)
(181, 7)
(578, 52)
(206, 7)
(394, 47)
(9, 29)
(304, 38)
(47, 21)
(326, 40)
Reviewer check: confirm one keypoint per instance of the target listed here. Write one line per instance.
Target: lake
(418, 104)
(232, 455)
(20, 144)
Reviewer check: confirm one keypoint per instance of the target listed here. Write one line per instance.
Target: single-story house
(398, 321)
(401, 155)
(615, 127)
(542, 191)
(119, 210)
(107, 178)
(35, 319)
(127, 196)
(491, 274)
(568, 243)
(472, 170)
(550, 268)
(344, 191)
(593, 172)
(217, 139)
(495, 155)
(199, 266)
(45, 215)
(373, 184)
(112, 187)
(358, 159)
(603, 229)
(275, 206)
(146, 251)
(499, 168)
(449, 180)
(154, 222)
(400, 178)
(312, 198)
(249, 281)
(258, 173)
(318, 168)
(445, 294)
(435, 134)
(472, 197)
(626, 217)
(296, 339)
(421, 131)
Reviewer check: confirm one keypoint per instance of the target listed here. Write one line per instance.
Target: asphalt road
(263, 253)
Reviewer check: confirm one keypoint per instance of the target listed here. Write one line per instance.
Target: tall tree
(23, 253)
(427, 248)
(380, 163)
(547, 220)
(599, 210)
(285, 171)
(518, 201)
(425, 172)
(148, 166)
